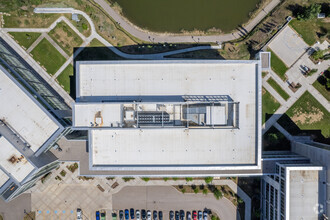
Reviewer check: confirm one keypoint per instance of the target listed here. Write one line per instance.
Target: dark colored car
(143, 214)
(132, 213)
(126, 214)
(154, 215)
(171, 215)
(121, 215)
(188, 216)
(181, 215)
(194, 215)
(200, 215)
(97, 214)
(177, 216)
(160, 215)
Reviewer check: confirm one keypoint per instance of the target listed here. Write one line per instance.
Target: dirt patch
(263, 91)
(315, 115)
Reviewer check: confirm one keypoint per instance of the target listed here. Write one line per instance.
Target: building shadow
(290, 126)
(251, 186)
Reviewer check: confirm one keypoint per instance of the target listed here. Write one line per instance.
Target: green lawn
(306, 115)
(321, 88)
(269, 105)
(308, 29)
(64, 78)
(25, 39)
(277, 65)
(278, 88)
(65, 37)
(48, 56)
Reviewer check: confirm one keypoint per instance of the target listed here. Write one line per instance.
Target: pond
(188, 15)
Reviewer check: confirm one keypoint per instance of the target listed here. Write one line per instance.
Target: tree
(217, 194)
(165, 179)
(328, 84)
(240, 200)
(146, 179)
(196, 190)
(273, 138)
(208, 179)
(189, 179)
(205, 191)
(310, 12)
(318, 54)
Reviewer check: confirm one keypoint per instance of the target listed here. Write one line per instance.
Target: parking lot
(166, 199)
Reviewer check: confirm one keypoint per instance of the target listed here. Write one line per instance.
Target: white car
(148, 215)
(137, 213)
(79, 214)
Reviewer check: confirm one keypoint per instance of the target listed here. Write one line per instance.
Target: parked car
(205, 215)
(181, 215)
(121, 215)
(177, 215)
(126, 214)
(143, 214)
(154, 215)
(200, 215)
(79, 214)
(97, 214)
(188, 216)
(148, 215)
(114, 216)
(194, 215)
(160, 215)
(137, 213)
(132, 213)
(171, 215)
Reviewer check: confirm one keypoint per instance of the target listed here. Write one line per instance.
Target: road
(167, 198)
(154, 37)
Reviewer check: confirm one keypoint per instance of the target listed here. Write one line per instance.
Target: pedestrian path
(175, 38)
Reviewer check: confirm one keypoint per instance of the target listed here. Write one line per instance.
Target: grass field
(48, 56)
(278, 88)
(65, 37)
(25, 39)
(64, 78)
(269, 105)
(277, 65)
(308, 29)
(306, 114)
(321, 88)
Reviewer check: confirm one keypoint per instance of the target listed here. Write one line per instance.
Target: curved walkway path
(153, 37)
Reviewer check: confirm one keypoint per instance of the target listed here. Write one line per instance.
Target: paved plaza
(288, 46)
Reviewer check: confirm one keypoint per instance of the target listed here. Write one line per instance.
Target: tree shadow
(295, 9)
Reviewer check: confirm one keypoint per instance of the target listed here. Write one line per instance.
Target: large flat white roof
(24, 115)
(166, 78)
(171, 146)
(240, 81)
(13, 162)
(303, 192)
